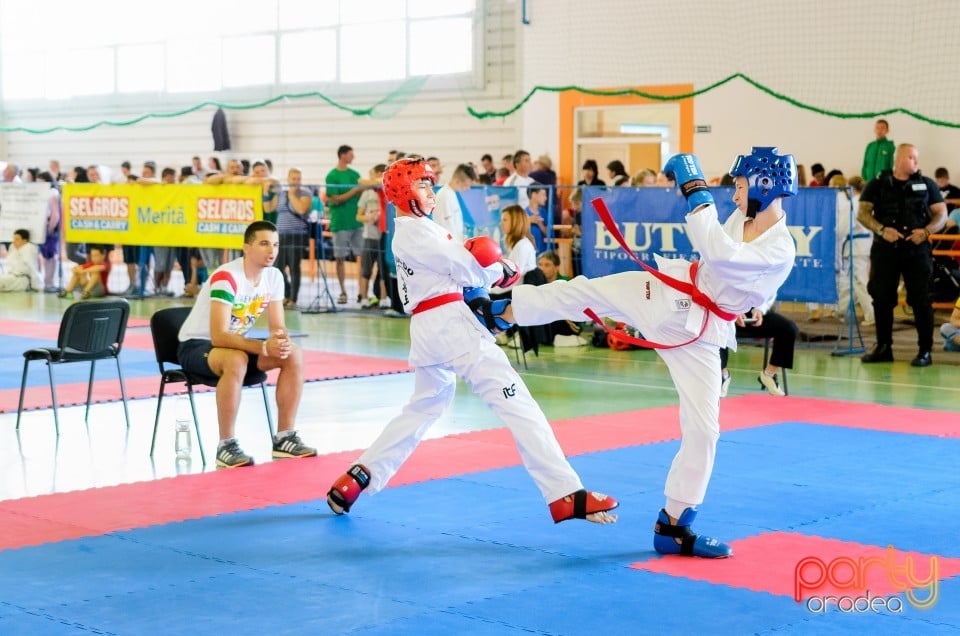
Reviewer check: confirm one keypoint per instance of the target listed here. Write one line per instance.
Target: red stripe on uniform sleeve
(224, 276)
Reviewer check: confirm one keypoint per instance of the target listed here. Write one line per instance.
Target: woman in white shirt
(517, 239)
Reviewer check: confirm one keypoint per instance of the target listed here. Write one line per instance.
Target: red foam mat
(754, 409)
(49, 330)
(29, 329)
(798, 565)
(36, 520)
(318, 365)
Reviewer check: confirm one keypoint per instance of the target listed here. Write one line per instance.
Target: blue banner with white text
(652, 222)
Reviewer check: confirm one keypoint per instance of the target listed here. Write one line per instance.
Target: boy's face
(18, 241)
(740, 192)
(423, 190)
(548, 268)
(97, 256)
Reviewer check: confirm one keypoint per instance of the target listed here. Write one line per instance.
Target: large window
(87, 49)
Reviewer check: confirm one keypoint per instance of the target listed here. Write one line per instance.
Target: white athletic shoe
(725, 385)
(769, 382)
(569, 341)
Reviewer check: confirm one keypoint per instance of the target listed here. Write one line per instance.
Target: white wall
(859, 56)
(304, 132)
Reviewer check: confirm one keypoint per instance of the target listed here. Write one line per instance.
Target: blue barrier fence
(652, 221)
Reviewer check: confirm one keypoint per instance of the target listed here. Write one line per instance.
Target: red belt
(436, 301)
(697, 296)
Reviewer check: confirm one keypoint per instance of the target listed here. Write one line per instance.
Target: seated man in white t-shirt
(213, 345)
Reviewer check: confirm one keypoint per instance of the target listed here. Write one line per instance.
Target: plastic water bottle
(182, 442)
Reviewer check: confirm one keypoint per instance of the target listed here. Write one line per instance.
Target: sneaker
(923, 359)
(880, 353)
(342, 298)
(372, 303)
(769, 382)
(291, 446)
(51, 290)
(868, 322)
(230, 456)
(390, 312)
(725, 385)
(63, 293)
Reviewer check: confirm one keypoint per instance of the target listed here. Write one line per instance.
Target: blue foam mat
(479, 554)
(134, 362)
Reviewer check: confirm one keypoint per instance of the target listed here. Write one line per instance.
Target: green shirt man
(879, 153)
(343, 193)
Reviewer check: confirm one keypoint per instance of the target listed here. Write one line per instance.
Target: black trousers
(292, 250)
(393, 285)
(784, 333)
(888, 262)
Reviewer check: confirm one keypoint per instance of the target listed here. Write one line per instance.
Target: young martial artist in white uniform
(742, 264)
(447, 341)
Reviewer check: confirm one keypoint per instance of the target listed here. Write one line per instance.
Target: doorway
(639, 136)
(638, 107)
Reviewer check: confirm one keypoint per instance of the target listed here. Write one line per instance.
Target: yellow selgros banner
(165, 215)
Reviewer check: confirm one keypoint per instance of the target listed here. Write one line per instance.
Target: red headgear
(399, 181)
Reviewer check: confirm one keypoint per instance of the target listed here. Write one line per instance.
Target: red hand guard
(484, 249)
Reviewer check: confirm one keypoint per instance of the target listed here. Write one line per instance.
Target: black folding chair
(165, 328)
(89, 331)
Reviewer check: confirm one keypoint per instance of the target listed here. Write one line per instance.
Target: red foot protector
(580, 504)
(347, 488)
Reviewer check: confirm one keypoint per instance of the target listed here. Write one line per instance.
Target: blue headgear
(769, 174)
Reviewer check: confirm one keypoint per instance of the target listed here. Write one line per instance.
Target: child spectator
(91, 276)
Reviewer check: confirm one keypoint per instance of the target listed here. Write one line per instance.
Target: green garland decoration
(397, 99)
(707, 89)
(385, 108)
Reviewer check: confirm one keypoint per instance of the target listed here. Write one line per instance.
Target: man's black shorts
(193, 353)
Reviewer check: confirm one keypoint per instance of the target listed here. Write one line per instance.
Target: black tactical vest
(903, 205)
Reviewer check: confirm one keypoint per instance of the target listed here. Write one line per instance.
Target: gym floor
(341, 417)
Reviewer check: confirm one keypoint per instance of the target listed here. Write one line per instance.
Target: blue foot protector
(691, 544)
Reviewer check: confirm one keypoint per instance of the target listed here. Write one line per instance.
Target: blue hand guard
(684, 170)
(487, 311)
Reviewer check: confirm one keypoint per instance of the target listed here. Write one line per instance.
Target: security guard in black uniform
(903, 208)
